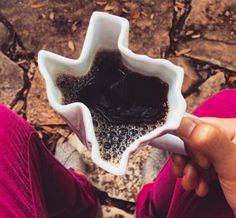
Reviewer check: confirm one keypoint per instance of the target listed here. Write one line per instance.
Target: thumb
(212, 143)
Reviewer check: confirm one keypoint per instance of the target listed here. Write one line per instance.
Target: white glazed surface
(107, 31)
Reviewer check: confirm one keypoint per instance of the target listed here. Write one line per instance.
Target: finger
(179, 163)
(227, 126)
(202, 188)
(202, 161)
(212, 143)
(190, 179)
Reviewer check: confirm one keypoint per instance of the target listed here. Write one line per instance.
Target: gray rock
(70, 157)
(153, 165)
(207, 89)
(11, 77)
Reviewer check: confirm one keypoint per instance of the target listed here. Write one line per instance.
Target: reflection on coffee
(124, 104)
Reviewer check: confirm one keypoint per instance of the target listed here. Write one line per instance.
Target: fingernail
(188, 127)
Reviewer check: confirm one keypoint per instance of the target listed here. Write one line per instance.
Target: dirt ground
(199, 36)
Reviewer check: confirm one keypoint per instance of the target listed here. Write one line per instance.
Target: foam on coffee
(124, 104)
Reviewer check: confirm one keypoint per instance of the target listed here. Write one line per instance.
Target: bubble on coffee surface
(114, 139)
(122, 102)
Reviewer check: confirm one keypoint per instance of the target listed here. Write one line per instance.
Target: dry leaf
(152, 16)
(43, 16)
(232, 79)
(182, 11)
(227, 13)
(109, 8)
(144, 13)
(183, 51)
(136, 15)
(40, 5)
(176, 8)
(21, 62)
(63, 132)
(48, 129)
(196, 36)
(60, 141)
(40, 134)
(32, 70)
(71, 45)
(180, 5)
(51, 16)
(74, 27)
(189, 32)
(33, 65)
(101, 3)
(125, 10)
(130, 6)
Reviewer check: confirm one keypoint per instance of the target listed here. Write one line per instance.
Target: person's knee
(226, 93)
(12, 124)
(6, 117)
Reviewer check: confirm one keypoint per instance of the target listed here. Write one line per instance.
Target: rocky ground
(200, 36)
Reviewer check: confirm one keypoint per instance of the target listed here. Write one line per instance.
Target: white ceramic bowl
(107, 31)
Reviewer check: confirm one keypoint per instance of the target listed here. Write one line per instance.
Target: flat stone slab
(217, 53)
(39, 110)
(4, 34)
(207, 89)
(190, 75)
(11, 79)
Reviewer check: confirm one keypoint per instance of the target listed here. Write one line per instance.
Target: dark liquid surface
(124, 104)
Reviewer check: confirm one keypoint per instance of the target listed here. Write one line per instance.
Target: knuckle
(205, 135)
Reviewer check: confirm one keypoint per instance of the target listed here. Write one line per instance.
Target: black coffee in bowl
(124, 104)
